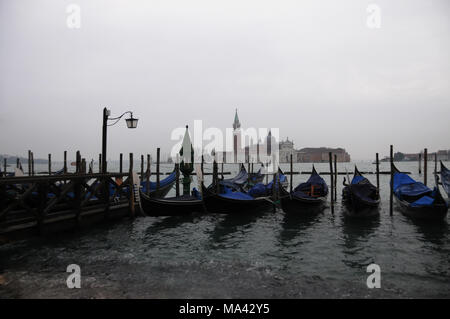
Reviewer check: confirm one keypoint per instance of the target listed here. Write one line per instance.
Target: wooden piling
(121, 163)
(49, 164)
(83, 166)
(142, 168)
(5, 164)
(257, 152)
(177, 176)
(65, 162)
(29, 163)
(131, 187)
(32, 163)
(158, 154)
(377, 165)
(335, 177)
(435, 163)
(147, 178)
(330, 157)
(18, 163)
(78, 162)
(391, 191)
(201, 166)
(420, 163)
(425, 166)
(100, 163)
(291, 175)
(222, 170)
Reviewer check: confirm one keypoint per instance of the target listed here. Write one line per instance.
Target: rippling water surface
(268, 254)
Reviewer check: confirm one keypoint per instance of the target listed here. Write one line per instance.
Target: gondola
(171, 206)
(308, 197)
(360, 198)
(255, 178)
(236, 183)
(445, 178)
(417, 200)
(228, 201)
(165, 186)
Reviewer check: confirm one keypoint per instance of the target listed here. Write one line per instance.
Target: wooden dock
(39, 203)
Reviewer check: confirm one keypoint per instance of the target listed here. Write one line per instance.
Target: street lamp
(131, 123)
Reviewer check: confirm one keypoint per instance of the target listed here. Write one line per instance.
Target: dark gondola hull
(293, 204)
(360, 204)
(435, 212)
(218, 204)
(170, 206)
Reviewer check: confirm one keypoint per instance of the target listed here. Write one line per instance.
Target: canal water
(264, 255)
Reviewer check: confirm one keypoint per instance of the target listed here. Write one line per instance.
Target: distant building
(286, 149)
(310, 154)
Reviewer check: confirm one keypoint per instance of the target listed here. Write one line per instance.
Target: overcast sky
(311, 68)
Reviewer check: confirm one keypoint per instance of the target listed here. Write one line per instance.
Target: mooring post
(420, 163)
(377, 165)
(142, 169)
(147, 179)
(335, 178)
(4, 166)
(217, 177)
(18, 163)
(391, 194)
(49, 164)
(158, 158)
(425, 166)
(29, 163)
(201, 166)
(100, 163)
(131, 187)
(291, 175)
(177, 176)
(83, 165)
(257, 152)
(32, 163)
(65, 162)
(330, 157)
(435, 163)
(78, 162)
(222, 169)
(121, 163)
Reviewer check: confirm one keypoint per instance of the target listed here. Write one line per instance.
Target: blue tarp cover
(166, 181)
(423, 201)
(235, 195)
(356, 179)
(406, 186)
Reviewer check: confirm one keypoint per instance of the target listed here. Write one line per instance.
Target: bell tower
(236, 137)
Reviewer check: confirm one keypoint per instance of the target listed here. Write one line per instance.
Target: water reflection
(170, 222)
(356, 233)
(432, 231)
(234, 223)
(295, 225)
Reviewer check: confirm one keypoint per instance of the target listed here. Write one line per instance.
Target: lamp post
(131, 123)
